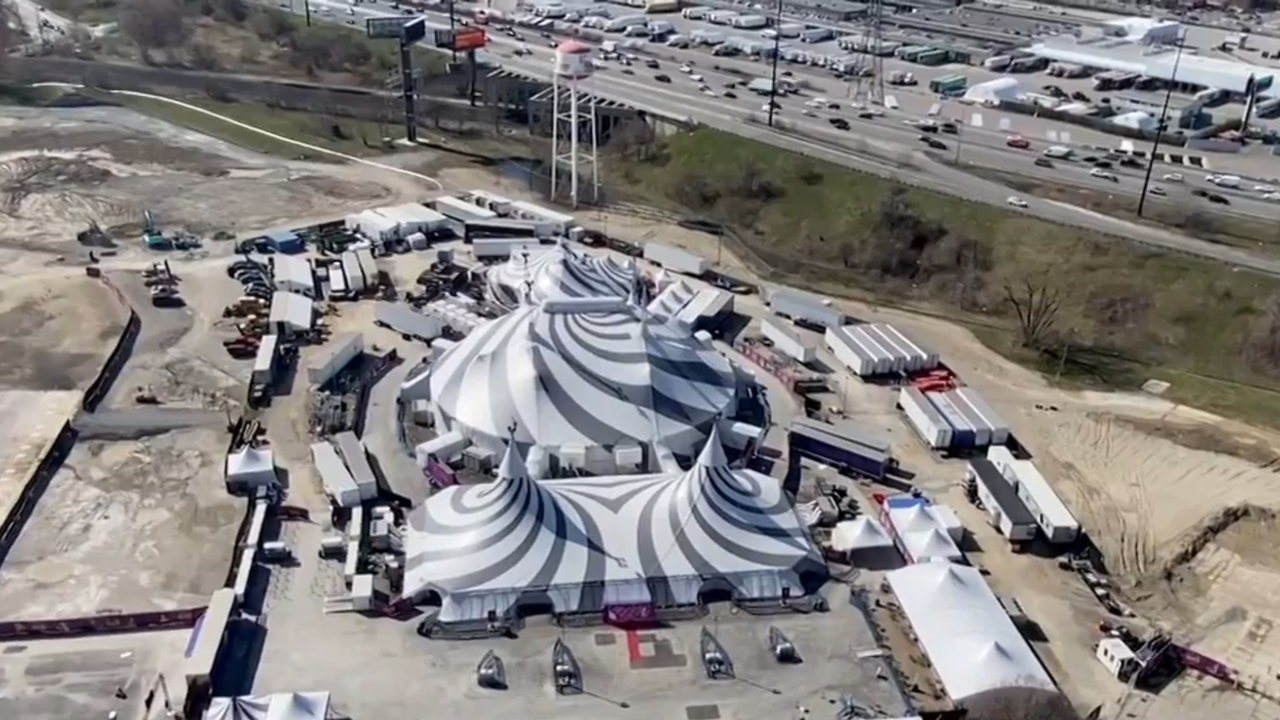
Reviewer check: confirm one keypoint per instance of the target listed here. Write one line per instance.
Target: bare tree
(1037, 307)
(154, 24)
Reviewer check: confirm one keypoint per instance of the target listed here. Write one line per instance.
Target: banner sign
(630, 614)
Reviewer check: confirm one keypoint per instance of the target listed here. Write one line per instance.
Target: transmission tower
(869, 81)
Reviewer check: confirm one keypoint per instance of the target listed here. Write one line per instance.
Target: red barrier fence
(99, 625)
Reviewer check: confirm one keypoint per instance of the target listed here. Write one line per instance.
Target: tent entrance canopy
(279, 706)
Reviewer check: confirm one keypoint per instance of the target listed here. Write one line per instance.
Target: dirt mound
(1198, 538)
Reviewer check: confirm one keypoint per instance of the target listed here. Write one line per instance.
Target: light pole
(959, 140)
(1164, 114)
(777, 46)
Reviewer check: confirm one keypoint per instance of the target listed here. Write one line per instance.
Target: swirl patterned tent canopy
(598, 376)
(584, 545)
(556, 272)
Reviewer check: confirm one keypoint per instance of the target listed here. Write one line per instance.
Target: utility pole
(453, 24)
(1160, 124)
(777, 46)
(306, 10)
(959, 140)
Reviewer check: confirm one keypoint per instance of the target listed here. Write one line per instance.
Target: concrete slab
(29, 421)
(126, 527)
(78, 678)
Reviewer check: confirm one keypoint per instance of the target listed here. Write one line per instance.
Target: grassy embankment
(1126, 313)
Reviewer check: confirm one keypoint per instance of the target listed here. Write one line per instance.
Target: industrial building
(962, 626)
(1194, 72)
(557, 271)
(520, 546)
(291, 273)
(593, 383)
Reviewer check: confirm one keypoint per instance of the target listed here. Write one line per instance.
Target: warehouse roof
(584, 372)
(961, 625)
(591, 542)
(292, 309)
(558, 271)
(1155, 62)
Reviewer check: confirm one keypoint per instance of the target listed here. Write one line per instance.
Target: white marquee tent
(251, 468)
(279, 706)
(866, 543)
(582, 545)
(961, 625)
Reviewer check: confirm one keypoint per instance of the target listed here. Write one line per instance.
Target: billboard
(462, 40)
(383, 28)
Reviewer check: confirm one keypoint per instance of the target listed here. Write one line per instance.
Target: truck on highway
(1226, 181)
(761, 86)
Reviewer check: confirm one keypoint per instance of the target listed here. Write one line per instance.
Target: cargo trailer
(335, 478)
(932, 427)
(556, 223)
(831, 450)
(357, 461)
(848, 431)
(342, 350)
(981, 430)
(695, 13)
(351, 270)
(1050, 513)
(523, 229)
(817, 35)
(969, 398)
(787, 341)
(338, 283)
(489, 248)
(675, 259)
(963, 433)
(790, 30)
(858, 352)
(368, 268)
(913, 357)
(1005, 510)
(721, 17)
(804, 309)
(461, 210)
(404, 320)
(749, 22)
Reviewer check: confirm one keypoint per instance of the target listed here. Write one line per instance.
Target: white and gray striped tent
(557, 271)
(583, 545)
(581, 378)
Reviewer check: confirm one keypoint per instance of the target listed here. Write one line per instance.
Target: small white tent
(250, 468)
(929, 545)
(866, 543)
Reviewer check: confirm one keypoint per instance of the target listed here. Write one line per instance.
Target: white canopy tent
(278, 706)
(929, 545)
(251, 468)
(583, 545)
(866, 543)
(961, 625)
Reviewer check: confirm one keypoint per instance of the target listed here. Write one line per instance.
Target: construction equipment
(166, 296)
(94, 236)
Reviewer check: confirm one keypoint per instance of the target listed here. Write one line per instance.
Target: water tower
(574, 138)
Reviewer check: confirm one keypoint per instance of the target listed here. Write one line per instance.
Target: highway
(884, 146)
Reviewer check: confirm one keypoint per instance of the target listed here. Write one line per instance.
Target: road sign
(384, 28)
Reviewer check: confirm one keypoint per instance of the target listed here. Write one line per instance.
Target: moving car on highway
(1172, 177)
(1103, 175)
(1044, 162)
(1017, 142)
(1016, 201)
(662, 78)
(1157, 191)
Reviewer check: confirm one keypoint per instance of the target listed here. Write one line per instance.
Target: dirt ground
(55, 334)
(126, 527)
(108, 166)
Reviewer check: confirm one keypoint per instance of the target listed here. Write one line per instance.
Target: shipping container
(1005, 510)
(963, 433)
(341, 351)
(787, 341)
(806, 442)
(675, 259)
(970, 398)
(749, 22)
(932, 427)
(804, 309)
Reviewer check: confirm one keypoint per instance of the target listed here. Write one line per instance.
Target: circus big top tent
(583, 379)
(557, 272)
(584, 545)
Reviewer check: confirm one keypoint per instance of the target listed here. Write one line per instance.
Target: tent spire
(512, 468)
(712, 455)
